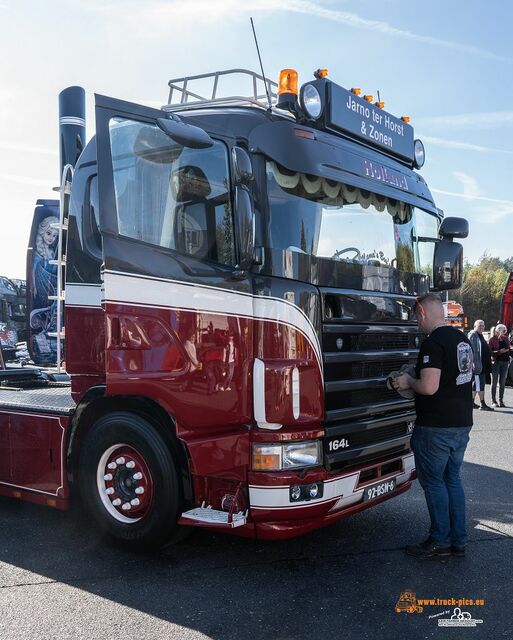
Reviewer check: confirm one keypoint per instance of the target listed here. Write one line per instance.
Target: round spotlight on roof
(311, 102)
(419, 154)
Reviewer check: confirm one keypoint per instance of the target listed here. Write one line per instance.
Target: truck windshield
(325, 218)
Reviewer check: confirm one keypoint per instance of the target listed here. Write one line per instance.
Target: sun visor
(308, 151)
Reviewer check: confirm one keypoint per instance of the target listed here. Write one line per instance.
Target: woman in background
(500, 346)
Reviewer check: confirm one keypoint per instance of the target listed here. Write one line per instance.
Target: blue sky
(448, 65)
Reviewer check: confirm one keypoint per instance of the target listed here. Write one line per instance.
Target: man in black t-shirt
(443, 403)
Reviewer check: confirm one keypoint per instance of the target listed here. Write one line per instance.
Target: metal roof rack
(188, 98)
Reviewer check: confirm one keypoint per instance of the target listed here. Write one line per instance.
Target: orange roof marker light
(369, 98)
(380, 105)
(406, 119)
(357, 91)
(321, 73)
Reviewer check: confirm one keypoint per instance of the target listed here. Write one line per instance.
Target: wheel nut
(112, 465)
(120, 461)
(107, 476)
(126, 506)
(138, 476)
(109, 491)
(116, 502)
(135, 502)
(130, 464)
(139, 490)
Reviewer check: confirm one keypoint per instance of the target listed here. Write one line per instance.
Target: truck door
(177, 309)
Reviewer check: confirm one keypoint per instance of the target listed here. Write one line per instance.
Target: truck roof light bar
(184, 94)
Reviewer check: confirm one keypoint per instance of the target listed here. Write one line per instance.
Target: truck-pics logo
(407, 603)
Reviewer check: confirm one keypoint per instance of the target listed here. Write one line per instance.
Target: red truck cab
(236, 282)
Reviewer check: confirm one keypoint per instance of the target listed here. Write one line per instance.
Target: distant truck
(8, 324)
(506, 314)
(454, 315)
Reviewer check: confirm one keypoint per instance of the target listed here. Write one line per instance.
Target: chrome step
(208, 517)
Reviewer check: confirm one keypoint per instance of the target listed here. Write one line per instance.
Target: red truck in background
(236, 281)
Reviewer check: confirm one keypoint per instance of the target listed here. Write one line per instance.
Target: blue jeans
(439, 454)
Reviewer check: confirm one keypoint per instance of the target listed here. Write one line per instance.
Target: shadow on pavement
(342, 581)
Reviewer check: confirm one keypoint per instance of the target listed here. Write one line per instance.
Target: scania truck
(230, 279)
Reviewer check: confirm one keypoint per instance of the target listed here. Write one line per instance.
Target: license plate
(379, 489)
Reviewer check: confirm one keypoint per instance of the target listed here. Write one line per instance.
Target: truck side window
(172, 196)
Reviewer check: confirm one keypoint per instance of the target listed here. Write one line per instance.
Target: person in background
(443, 403)
(190, 348)
(229, 359)
(500, 347)
(482, 364)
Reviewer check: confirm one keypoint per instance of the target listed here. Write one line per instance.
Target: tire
(129, 481)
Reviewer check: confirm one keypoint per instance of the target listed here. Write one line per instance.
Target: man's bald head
(429, 310)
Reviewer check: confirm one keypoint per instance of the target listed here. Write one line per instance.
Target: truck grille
(357, 360)
(364, 420)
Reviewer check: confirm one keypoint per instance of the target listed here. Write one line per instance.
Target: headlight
(311, 101)
(419, 153)
(283, 456)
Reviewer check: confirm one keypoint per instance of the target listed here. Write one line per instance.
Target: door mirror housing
(187, 135)
(245, 228)
(447, 265)
(243, 171)
(454, 228)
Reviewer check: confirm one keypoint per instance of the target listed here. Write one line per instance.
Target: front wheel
(129, 481)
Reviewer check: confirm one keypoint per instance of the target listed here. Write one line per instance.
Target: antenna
(379, 98)
(261, 65)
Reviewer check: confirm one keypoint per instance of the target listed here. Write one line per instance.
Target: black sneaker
(458, 550)
(429, 549)
(475, 406)
(485, 407)
(502, 405)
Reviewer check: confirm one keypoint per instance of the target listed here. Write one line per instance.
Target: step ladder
(65, 192)
(206, 516)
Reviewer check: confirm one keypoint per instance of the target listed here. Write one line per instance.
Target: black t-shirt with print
(449, 350)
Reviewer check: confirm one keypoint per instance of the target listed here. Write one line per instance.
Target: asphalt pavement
(59, 579)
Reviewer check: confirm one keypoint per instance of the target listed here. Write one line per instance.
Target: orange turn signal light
(262, 462)
(357, 91)
(288, 82)
(405, 118)
(369, 98)
(266, 457)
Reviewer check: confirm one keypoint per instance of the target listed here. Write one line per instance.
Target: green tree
(482, 289)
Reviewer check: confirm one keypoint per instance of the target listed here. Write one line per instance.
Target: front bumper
(275, 516)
